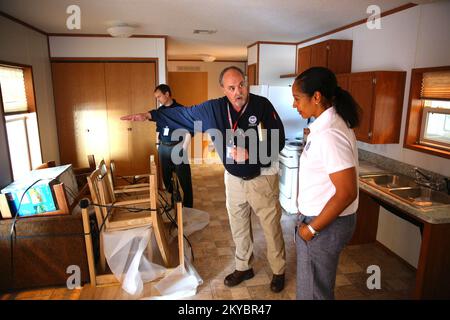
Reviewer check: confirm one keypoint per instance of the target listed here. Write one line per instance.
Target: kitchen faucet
(426, 180)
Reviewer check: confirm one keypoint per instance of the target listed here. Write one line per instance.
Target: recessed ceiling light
(203, 31)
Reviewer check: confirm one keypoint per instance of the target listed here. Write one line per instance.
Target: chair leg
(102, 257)
(89, 248)
(180, 234)
(161, 238)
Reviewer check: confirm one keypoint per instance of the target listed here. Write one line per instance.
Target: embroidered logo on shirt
(252, 119)
(307, 146)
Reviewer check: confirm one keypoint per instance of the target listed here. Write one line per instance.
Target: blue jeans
(317, 259)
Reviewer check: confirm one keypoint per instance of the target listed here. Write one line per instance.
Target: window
(13, 90)
(435, 128)
(20, 118)
(428, 119)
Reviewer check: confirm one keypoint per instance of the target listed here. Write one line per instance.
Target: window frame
(32, 108)
(29, 87)
(415, 115)
(429, 142)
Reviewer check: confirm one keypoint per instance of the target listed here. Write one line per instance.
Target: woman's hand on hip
(304, 233)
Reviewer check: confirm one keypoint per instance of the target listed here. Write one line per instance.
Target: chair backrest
(107, 173)
(91, 161)
(92, 180)
(112, 170)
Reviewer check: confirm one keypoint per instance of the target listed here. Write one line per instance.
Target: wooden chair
(121, 190)
(132, 181)
(119, 219)
(103, 280)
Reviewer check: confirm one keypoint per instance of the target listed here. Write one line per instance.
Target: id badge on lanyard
(234, 127)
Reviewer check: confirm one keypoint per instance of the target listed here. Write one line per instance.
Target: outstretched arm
(144, 116)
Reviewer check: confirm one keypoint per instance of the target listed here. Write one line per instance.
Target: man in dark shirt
(182, 169)
(248, 135)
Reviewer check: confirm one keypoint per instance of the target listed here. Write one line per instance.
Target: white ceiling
(238, 22)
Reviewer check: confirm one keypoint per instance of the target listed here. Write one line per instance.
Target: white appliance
(282, 100)
(289, 164)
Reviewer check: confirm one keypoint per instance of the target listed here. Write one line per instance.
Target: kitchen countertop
(437, 215)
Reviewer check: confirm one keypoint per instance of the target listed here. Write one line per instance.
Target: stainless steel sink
(389, 180)
(407, 190)
(422, 197)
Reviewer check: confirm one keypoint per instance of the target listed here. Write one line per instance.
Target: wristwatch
(314, 232)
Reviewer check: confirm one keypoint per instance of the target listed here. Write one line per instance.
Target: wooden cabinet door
(340, 56)
(319, 55)
(251, 74)
(342, 81)
(361, 87)
(129, 89)
(303, 59)
(80, 105)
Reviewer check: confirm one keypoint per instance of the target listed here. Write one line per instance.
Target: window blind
(12, 83)
(436, 85)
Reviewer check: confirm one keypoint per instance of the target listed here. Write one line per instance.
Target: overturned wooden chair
(131, 181)
(122, 219)
(121, 190)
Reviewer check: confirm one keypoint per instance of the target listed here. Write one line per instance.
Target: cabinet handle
(129, 129)
(369, 134)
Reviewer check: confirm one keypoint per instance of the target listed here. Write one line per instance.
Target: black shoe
(233, 279)
(277, 283)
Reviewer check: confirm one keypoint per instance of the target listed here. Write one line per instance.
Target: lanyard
(234, 126)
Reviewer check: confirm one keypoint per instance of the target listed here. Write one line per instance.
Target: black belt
(257, 174)
(170, 144)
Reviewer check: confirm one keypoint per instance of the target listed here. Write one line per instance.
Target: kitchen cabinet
(333, 54)
(303, 59)
(90, 98)
(380, 97)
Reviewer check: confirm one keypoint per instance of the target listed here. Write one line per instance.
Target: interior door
(143, 141)
(80, 104)
(129, 89)
(303, 59)
(361, 87)
(190, 88)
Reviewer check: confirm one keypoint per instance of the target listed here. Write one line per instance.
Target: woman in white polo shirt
(328, 187)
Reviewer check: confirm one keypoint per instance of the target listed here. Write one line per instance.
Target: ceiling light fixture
(203, 31)
(207, 57)
(122, 30)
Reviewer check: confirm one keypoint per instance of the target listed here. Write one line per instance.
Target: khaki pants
(261, 195)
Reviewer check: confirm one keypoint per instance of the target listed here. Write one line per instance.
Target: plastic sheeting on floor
(133, 257)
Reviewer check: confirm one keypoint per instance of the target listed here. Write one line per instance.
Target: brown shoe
(277, 283)
(233, 279)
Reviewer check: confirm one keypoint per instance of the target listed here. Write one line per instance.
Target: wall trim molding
(4, 14)
(347, 26)
(102, 35)
(200, 60)
(272, 42)
(356, 23)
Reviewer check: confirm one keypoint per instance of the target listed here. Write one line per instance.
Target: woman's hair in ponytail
(324, 81)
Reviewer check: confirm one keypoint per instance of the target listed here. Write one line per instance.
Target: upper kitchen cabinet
(333, 54)
(380, 96)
